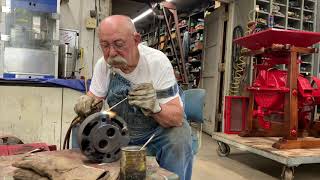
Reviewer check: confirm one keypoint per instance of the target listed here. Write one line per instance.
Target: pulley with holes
(101, 135)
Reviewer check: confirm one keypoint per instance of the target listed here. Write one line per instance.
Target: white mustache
(117, 60)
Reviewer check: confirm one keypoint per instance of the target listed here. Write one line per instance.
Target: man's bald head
(118, 22)
(119, 40)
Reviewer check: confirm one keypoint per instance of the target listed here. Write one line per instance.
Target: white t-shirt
(153, 67)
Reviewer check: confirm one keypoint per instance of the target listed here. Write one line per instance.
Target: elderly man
(154, 106)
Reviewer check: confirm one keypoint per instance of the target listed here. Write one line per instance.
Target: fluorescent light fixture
(147, 12)
(169, 0)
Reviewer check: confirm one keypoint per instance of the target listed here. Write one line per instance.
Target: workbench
(262, 146)
(154, 172)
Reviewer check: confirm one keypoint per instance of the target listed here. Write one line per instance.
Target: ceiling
(132, 9)
(128, 7)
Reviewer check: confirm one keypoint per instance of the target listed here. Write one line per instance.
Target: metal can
(133, 163)
(270, 21)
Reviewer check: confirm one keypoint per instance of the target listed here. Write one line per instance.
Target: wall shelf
(279, 26)
(292, 28)
(264, 1)
(278, 4)
(295, 19)
(311, 1)
(309, 11)
(279, 16)
(263, 12)
(298, 10)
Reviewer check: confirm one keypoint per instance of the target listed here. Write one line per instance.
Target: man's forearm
(89, 93)
(171, 114)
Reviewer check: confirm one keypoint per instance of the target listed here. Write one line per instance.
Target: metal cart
(263, 146)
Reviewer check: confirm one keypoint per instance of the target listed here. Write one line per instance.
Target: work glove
(55, 168)
(85, 105)
(144, 96)
(23, 174)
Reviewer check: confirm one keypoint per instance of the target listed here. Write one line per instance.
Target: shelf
(264, 1)
(307, 10)
(182, 27)
(279, 26)
(305, 72)
(195, 32)
(311, 22)
(312, 1)
(263, 12)
(309, 63)
(296, 8)
(292, 28)
(279, 4)
(292, 18)
(197, 61)
(279, 16)
(193, 53)
(310, 30)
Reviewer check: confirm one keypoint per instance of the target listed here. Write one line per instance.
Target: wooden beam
(304, 50)
(291, 100)
(301, 143)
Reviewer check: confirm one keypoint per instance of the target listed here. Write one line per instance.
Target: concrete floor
(240, 165)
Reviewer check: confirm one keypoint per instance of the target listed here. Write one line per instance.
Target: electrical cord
(79, 120)
(74, 122)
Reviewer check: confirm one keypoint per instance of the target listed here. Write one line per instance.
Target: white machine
(29, 40)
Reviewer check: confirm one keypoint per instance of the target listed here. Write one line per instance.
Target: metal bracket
(55, 42)
(1, 50)
(221, 67)
(226, 1)
(55, 16)
(4, 37)
(218, 117)
(5, 9)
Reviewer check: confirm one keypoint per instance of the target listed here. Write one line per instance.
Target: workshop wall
(241, 14)
(74, 15)
(37, 114)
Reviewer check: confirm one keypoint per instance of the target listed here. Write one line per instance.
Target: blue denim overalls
(172, 146)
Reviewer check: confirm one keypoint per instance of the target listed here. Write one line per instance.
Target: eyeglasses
(118, 45)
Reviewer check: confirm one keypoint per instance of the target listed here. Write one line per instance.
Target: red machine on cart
(282, 102)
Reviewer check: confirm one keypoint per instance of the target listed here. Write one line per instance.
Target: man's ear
(137, 38)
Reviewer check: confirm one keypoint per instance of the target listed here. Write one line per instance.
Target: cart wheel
(287, 173)
(223, 149)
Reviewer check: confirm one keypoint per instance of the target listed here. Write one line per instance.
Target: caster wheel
(223, 149)
(287, 173)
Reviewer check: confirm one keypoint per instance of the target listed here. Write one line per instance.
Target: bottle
(270, 21)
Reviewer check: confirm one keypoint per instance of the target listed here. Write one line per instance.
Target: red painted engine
(270, 88)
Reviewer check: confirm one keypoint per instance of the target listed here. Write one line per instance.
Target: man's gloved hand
(145, 97)
(84, 105)
(55, 168)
